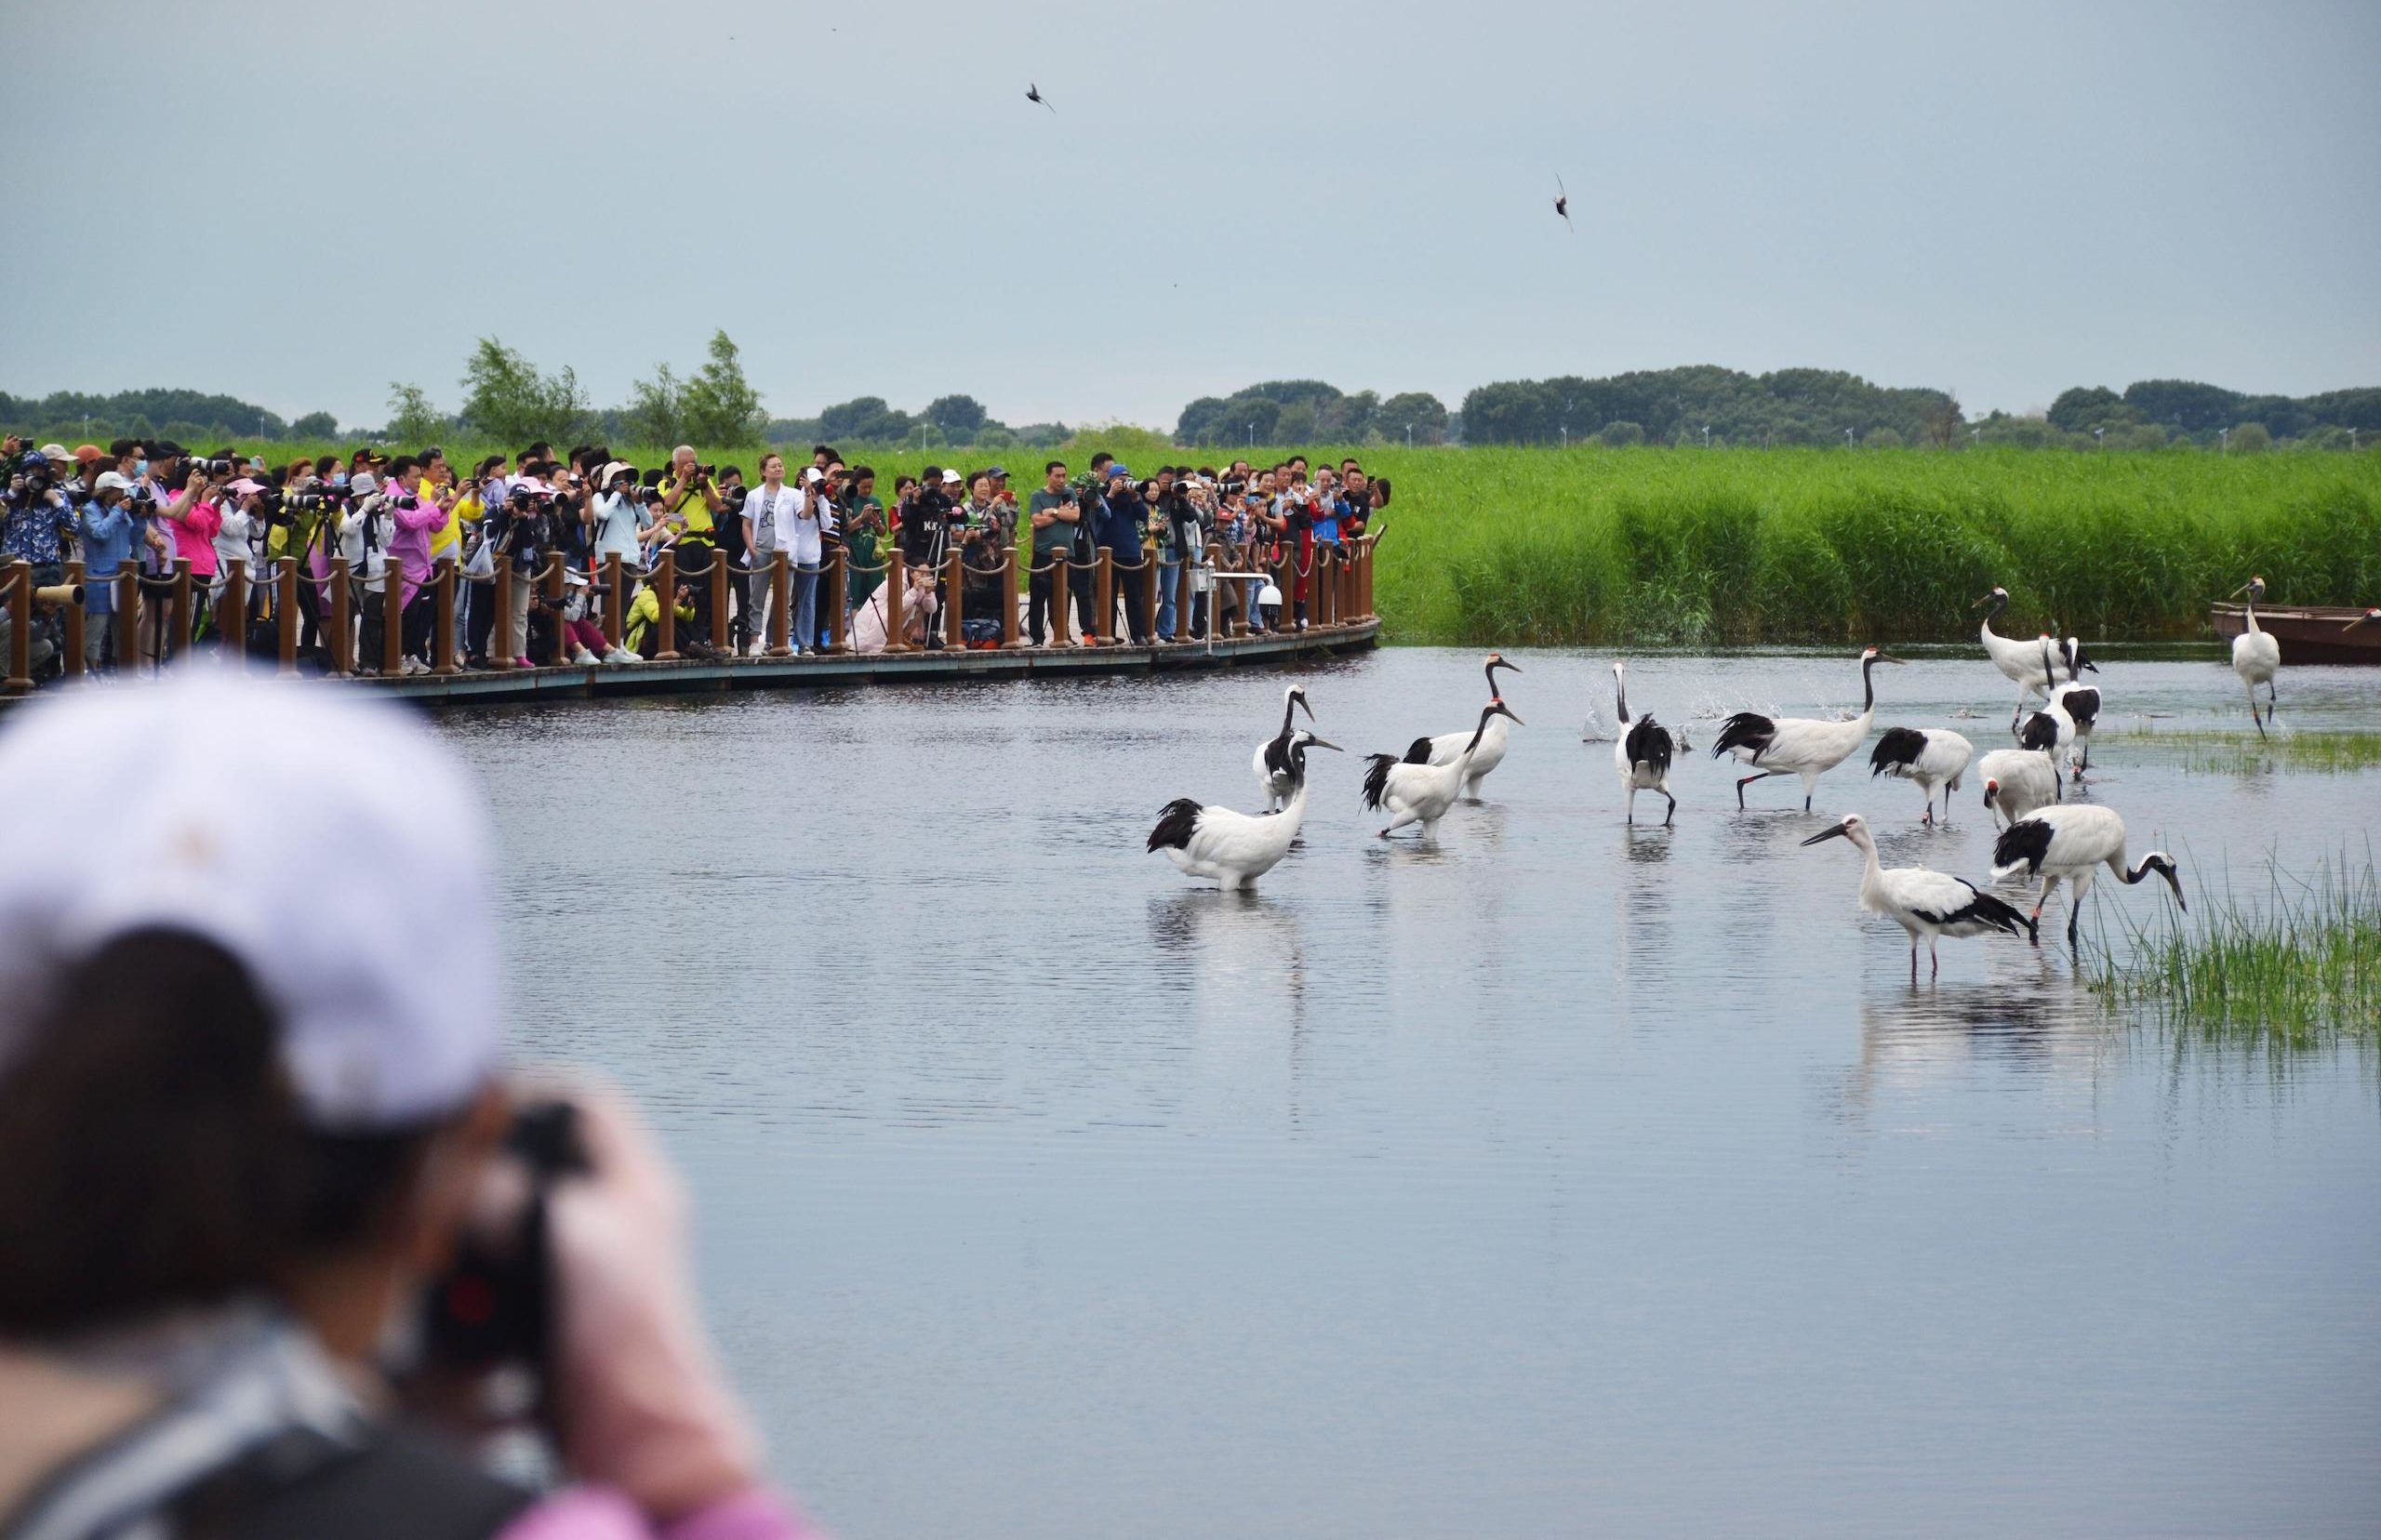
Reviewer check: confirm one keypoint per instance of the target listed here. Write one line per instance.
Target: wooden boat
(2307, 634)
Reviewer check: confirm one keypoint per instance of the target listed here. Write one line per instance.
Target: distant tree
(1621, 435)
(314, 427)
(1880, 438)
(957, 417)
(720, 406)
(657, 410)
(1943, 424)
(412, 419)
(865, 420)
(2080, 409)
(1295, 423)
(1418, 410)
(2186, 405)
(2251, 438)
(506, 398)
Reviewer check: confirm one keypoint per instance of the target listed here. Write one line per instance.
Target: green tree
(957, 417)
(1418, 410)
(506, 398)
(1620, 435)
(2251, 438)
(720, 405)
(412, 419)
(314, 426)
(657, 409)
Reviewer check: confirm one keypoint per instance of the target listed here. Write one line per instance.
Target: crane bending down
(1443, 748)
(2257, 657)
(2027, 664)
(2073, 841)
(1272, 760)
(2017, 781)
(1641, 753)
(1800, 745)
(1236, 848)
(1422, 793)
(1931, 904)
(1931, 756)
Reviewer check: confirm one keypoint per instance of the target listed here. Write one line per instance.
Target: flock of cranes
(2042, 839)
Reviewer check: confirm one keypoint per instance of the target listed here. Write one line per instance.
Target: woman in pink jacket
(418, 519)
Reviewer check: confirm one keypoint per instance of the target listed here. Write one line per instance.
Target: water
(1557, 1178)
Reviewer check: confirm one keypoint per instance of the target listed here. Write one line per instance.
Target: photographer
(522, 531)
(1052, 514)
(419, 519)
(859, 523)
(244, 1135)
(106, 528)
(1122, 521)
(690, 504)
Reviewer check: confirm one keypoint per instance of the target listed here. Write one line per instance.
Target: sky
(318, 200)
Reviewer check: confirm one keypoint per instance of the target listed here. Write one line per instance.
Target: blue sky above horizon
(2000, 204)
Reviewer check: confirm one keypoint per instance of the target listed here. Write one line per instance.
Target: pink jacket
(194, 536)
(410, 544)
(594, 1513)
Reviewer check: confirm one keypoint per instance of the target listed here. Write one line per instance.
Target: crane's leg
(2253, 711)
(1632, 803)
(1928, 820)
(1673, 807)
(1404, 817)
(1934, 958)
(1913, 960)
(2050, 885)
(1748, 781)
(1810, 784)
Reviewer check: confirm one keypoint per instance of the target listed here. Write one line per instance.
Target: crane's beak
(2238, 591)
(1981, 603)
(1500, 663)
(1991, 791)
(1304, 705)
(1836, 832)
(1503, 709)
(2089, 667)
(2175, 881)
(2368, 618)
(1322, 743)
(1888, 657)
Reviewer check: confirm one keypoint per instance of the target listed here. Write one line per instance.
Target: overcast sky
(300, 202)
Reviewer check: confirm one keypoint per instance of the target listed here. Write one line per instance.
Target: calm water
(1553, 1179)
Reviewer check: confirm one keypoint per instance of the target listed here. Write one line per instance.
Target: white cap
(327, 841)
(813, 475)
(362, 483)
(950, 478)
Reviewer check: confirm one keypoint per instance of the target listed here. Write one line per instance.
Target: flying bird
(1562, 204)
(1033, 94)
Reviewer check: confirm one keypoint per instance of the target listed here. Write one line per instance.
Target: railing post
(780, 604)
(284, 617)
(719, 631)
(1008, 602)
(1103, 598)
(74, 621)
(21, 627)
(128, 617)
(896, 590)
(393, 630)
(838, 603)
(556, 588)
(1149, 595)
(1326, 586)
(1372, 550)
(232, 600)
(1215, 592)
(954, 609)
(616, 597)
(1062, 598)
(499, 635)
(442, 641)
(179, 617)
(666, 578)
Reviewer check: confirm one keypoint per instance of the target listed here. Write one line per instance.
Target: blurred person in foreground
(242, 1127)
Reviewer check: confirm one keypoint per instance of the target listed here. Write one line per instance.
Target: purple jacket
(410, 544)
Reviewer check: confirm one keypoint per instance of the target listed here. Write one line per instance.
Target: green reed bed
(2301, 968)
(2244, 753)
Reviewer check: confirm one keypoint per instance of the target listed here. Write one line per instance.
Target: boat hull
(2308, 634)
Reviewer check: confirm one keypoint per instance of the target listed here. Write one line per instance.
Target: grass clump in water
(2301, 970)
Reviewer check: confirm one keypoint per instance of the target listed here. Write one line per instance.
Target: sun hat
(362, 483)
(55, 453)
(247, 486)
(378, 839)
(113, 481)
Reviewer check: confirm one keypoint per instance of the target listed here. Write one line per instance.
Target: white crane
(1641, 752)
(2018, 780)
(2025, 663)
(1272, 760)
(1415, 792)
(1236, 848)
(1798, 745)
(1443, 748)
(2257, 657)
(2073, 841)
(2052, 729)
(2082, 704)
(1931, 756)
(1931, 904)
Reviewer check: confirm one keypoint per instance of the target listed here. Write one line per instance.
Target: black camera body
(495, 1304)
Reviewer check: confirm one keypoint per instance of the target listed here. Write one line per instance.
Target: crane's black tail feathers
(1649, 744)
(1174, 824)
(1377, 777)
(1418, 752)
(1746, 730)
(2083, 703)
(2039, 732)
(2021, 846)
(1896, 752)
(1985, 910)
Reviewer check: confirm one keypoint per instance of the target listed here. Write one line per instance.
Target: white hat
(950, 478)
(361, 484)
(812, 476)
(112, 481)
(359, 902)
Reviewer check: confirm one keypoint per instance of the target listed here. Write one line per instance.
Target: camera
(313, 498)
(495, 1303)
(212, 467)
(141, 497)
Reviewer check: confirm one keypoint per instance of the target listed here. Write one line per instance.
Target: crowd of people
(149, 506)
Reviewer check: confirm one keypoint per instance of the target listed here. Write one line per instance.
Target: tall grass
(1739, 546)
(2301, 969)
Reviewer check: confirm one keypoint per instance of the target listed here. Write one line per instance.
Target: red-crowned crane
(2017, 781)
(2073, 841)
(1798, 745)
(1641, 752)
(1931, 904)
(1931, 756)
(1443, 748)
(1414, 793)
(2027, 665)
(1236, 848)
(1272, 758)
(2257, 657)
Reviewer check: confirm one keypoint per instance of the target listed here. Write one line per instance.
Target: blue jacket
(1118, 526)
(107, 545)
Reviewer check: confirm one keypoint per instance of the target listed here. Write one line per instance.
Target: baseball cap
(998, 473)
(55, 453)
(86, 453)
(1116, 469)
(950, 478)
(813, 475)
(112, 479)
(378, 839)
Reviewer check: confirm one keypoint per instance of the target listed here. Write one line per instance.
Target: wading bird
(1235, 848)
(2257, 657)
(1422, 793)
(1490, 754)
(1033, 94)
(1931, 904)
(1798, 745)
(2082, 704)
(1931, 756)
(2026, 663)
(2017, 781)
(1641, 753)
(1562, 203)
(1272, 760)
(2052, 842)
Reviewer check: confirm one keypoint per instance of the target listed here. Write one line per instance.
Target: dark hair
(401, 464)
(154, 1152)
(1380, 491)
(434, 452)
(324, 465)
(728, 470)
(487, 465)
(901, 482)
(122, 447)
(1054, 465)
(826, 449)
(863, 472)
(1103, 457)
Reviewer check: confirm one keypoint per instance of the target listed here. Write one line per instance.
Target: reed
(2299, 969)
(2244, 753)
